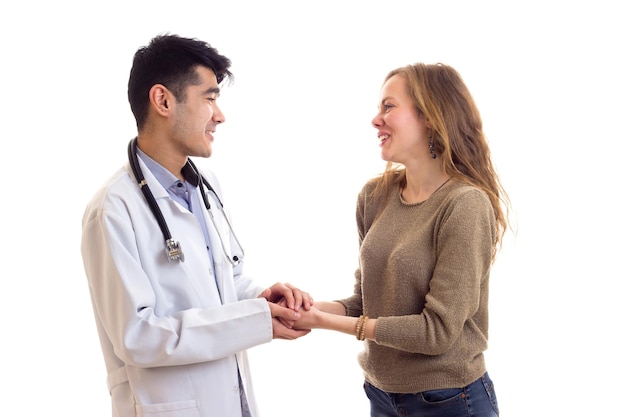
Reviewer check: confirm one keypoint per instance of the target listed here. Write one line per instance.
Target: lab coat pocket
(187, 408)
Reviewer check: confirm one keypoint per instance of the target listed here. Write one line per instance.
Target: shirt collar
(162, 175)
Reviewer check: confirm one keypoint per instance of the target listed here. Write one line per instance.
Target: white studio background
(548, 77)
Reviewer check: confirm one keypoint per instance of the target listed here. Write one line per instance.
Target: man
(173, 309)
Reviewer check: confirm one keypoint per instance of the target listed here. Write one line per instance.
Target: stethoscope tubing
(172, 247)
(143, 185)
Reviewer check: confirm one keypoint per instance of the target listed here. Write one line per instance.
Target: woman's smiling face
(402, 130)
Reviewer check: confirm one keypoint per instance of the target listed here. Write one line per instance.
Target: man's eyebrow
(212, 90)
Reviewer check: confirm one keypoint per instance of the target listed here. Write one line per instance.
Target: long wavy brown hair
(439, 93)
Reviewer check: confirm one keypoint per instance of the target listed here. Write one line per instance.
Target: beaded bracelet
(362, 335)
(359, 331)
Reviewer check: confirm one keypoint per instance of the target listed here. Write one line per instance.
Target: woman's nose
(377, 121)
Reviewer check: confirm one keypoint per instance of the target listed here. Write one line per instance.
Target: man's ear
(161, 99)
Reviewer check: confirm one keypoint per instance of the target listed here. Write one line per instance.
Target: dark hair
(171, 60)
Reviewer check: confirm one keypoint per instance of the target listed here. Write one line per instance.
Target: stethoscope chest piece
(174, 251)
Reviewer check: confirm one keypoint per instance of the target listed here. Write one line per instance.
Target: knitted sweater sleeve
(366, 211)
(456, 302)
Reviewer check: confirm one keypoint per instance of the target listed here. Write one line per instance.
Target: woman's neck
(419, 188)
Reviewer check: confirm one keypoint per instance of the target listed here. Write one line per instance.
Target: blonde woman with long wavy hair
(429, 230)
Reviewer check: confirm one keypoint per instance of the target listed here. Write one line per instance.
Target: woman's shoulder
(375, 184)
(462, 195)
(375, 190)
(459, 189)
(371, 184)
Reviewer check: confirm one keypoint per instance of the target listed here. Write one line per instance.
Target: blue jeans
(478, 399)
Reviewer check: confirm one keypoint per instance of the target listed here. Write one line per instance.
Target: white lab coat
(172, 339)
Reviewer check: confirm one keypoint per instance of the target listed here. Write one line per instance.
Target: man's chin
(204, 153)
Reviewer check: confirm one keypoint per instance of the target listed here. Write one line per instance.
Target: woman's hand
(294, 297)
(309, 319)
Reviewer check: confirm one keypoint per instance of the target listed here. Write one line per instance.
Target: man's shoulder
(117, 186)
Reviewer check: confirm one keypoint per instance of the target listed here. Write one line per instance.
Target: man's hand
(280, 331)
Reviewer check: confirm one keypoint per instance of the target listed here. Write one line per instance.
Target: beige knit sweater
(424, 274)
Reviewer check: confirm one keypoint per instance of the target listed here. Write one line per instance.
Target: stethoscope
(172, 247)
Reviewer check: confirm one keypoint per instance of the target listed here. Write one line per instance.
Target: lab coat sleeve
(125, 298)
(246, 287)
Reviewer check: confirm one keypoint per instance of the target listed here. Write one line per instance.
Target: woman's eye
(387, 106)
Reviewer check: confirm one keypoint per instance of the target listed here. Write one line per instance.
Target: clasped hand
(287, 304)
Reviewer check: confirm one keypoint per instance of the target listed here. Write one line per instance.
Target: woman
(429, 229)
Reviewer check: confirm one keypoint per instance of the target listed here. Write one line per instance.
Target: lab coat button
(235, 389)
